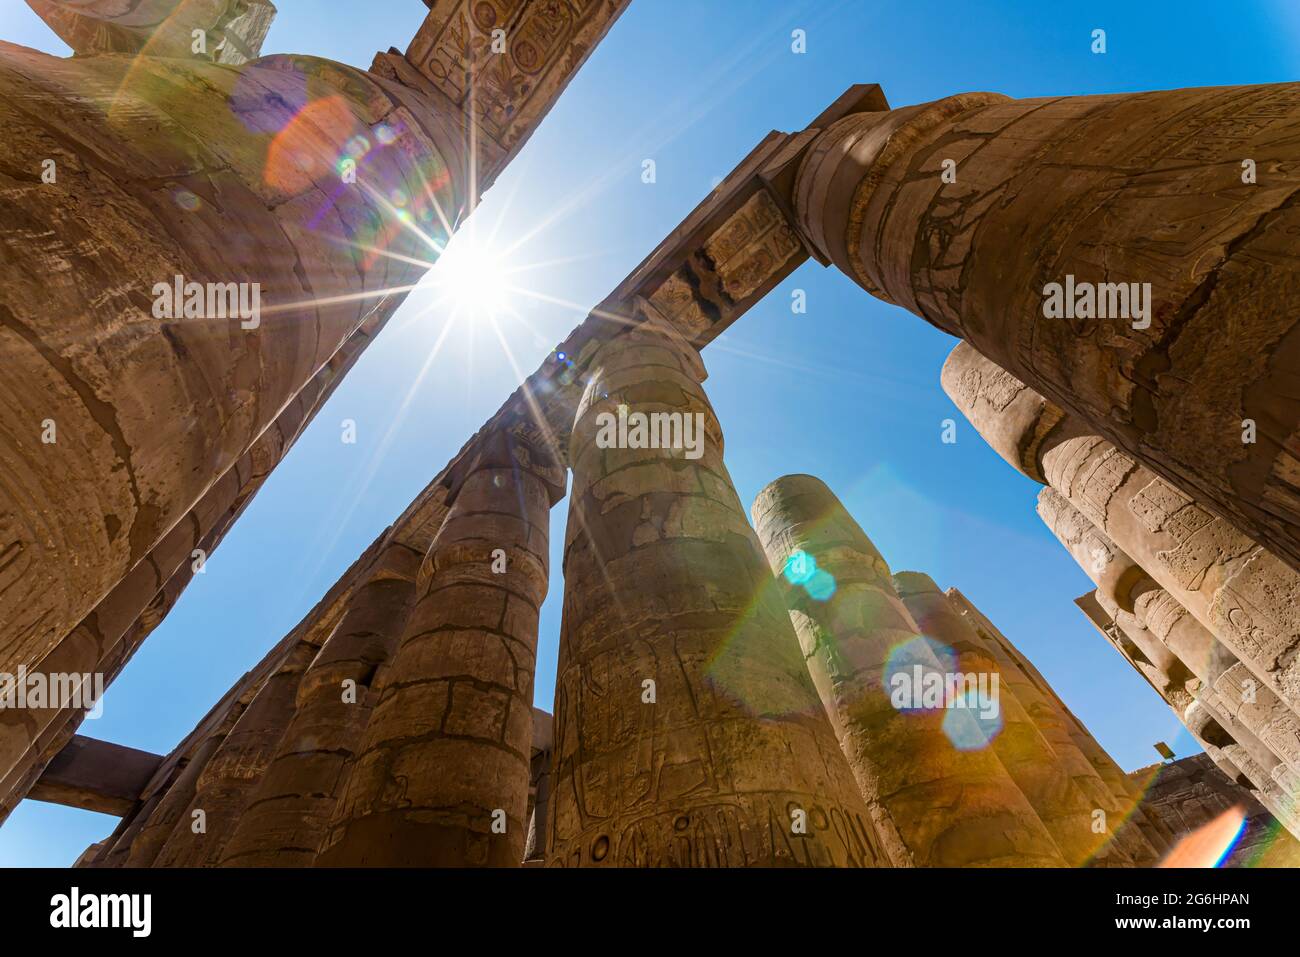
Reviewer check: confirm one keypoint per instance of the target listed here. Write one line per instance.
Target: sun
(472, 278)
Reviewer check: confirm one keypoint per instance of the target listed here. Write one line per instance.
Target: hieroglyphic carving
(677, 300)
(752, 246)
(752, 249)
(1095, 485)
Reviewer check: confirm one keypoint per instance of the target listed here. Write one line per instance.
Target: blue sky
(848, 391)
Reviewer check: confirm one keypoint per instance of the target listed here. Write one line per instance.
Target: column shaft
(940, 806)
(1090, 767)
(226, 180)
(442, 776)
(1044, 778)
(1242, 592)
(291, 807)
(687, 730)
(1140, 208)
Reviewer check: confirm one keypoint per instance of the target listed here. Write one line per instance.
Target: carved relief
(459, 48)
(1099, 481)
(752, 246)
(676, 299)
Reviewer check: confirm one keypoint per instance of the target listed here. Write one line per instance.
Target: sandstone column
(288, 812)
(1040, 774)
(1089, 766)
(442, 776)
(285, 196)
(939, 806)
(171, 168)
(1216, 724)
(171, 807)
(1177, 655)
(223, 785)
(1190, 191)
(1244, 594)
(687, 730)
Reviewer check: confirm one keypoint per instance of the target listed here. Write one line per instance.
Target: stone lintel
(506, 62)
(1092, 610)
(96, 776)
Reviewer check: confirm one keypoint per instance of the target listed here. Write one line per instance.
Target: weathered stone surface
(289, 811)
(442, 777)
(105, 640)
(687, 729)
(172, 162)
(508, 91)
(1130, 188)
(906, 765)
(1246, 596)
(233, 30)
(1019, 745)
(222, 788)
(1090, 767)
(150, 412)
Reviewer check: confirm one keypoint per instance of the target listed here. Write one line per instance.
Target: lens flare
(1210, 844)
(472, 276)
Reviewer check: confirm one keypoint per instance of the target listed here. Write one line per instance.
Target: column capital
(514, 447)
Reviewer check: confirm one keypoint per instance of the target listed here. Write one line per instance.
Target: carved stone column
(1040, 774)
(687, 730)
(225, 781)
(1190, 191)
(1243, 593)
(1174, 652)
(937, 805)
(190, 237)
(1090, 767)
(442, 776)
(288, 812)
(169, 809)
(233, 29)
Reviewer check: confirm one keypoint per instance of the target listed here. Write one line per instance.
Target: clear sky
(848, 391)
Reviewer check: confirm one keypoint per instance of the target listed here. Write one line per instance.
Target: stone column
(1088, 764)
(288, 812)
(225, 781)
(1243, 593)
(687, 729)
(940, 806)
(1042, 777)
(1238, 762)
(1152, 654)
(441, 778)
(191, 233)
(1185, 193)
(1254, 715)
(234, 29)
(219, 175)
(167, 812)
